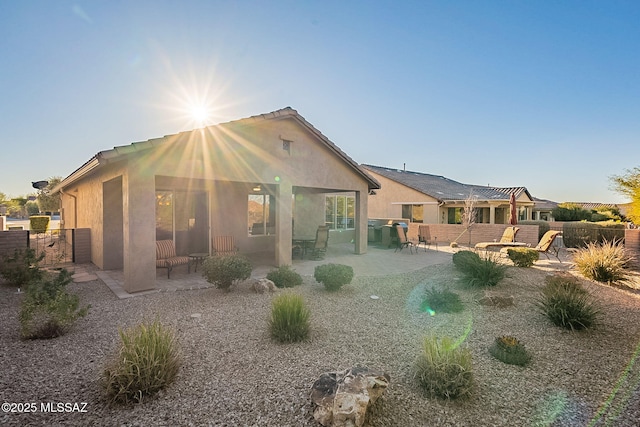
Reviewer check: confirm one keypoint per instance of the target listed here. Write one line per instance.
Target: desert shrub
(147, 360)
(333, 276)
(509, 350)
(21, 268)
(284, 277)
(39, 223)
(441, 301)
(464, 258)
(543, 226)
(567, 304)
(482, 272)
(289, 318)
(603, 262)
(523, 257)
(224, 271)
(444, 369)
(48, 310)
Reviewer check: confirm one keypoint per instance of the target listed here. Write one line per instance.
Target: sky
(540, 94)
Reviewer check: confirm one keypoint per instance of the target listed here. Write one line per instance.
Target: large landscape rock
(343, 398)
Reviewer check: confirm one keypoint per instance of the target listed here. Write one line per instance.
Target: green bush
(444, 369)
(567, 304)
(147, 360)
(21, 268)
(610, 231)
(543, 226)
(39, 223)
(333, 276)
(603, 262)
(224, 271)
(523, 257)
(284, 277)
(509, 350)
(436, 300)
(480, 272)
(463, 259)
(47, 310)
(289, 318)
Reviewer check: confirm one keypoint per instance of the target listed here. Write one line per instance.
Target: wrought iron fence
(57, 246)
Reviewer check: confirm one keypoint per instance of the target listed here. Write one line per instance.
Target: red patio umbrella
(513, 211)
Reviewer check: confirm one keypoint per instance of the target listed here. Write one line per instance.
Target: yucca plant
(603, 262)
(147, 360)
(444, 369)
(438, 300)
(567, 304)
(510, 350)
(289, 320)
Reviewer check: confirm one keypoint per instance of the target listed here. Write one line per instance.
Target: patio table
(197, 258)
(304, 243)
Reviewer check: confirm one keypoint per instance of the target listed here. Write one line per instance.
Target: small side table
(197, 258)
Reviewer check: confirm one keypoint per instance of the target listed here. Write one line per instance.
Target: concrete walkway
(376, 262)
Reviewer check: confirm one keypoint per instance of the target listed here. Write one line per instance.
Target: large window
(454, 215)
(261, 214)
(415, 213)
(340, 212)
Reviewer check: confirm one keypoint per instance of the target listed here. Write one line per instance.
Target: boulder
(500, 301)
(343, 398)
(263, 285)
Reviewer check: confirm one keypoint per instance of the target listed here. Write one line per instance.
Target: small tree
(629, 185)
(469, 215)
(47, 201)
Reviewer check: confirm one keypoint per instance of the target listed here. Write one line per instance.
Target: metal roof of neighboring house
(119, 152)
(593, 206)
(445, 189)
(543, 205)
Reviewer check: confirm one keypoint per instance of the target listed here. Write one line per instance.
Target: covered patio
(265, 180)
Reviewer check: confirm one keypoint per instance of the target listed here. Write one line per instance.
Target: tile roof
(445, 189)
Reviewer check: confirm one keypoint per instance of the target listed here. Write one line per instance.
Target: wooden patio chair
(403, 241)
(424, 236)
(319, 248)
(166, 257)
(223, 245)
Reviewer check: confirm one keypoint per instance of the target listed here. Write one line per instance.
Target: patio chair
(545, 246)
(507, 240)
(166, 257)
(223, 245)
(319, 248)
(424, 236)
(403, 241)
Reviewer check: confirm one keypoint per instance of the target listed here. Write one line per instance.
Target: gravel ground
(233, 374)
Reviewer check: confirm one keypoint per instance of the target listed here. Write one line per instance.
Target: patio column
(492, 214)
(361, 222)
(284, 229)
(139, 241)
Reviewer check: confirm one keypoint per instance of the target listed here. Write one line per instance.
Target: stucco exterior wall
(388, 200)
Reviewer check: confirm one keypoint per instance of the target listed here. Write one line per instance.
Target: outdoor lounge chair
(508, 240)
(166, 257)
(403, 241)
(546, 244)
(424, 236)
(223, 245)
(319, 248)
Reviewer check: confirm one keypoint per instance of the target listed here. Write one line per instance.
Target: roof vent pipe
(404, 167)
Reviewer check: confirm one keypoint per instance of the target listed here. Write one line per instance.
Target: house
(262, 179)
(543, 209)
(434, 199)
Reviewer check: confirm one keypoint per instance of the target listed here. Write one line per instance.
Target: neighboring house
(543, 209)
(433, 199)
(255, 179)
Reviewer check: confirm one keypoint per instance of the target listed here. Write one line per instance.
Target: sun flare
(200, 114)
